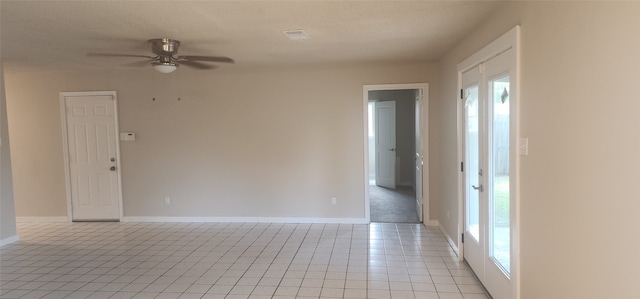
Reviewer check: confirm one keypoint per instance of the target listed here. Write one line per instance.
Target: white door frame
(65, 145)
(424, 133)
(509, 40)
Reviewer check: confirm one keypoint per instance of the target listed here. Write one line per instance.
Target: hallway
(393, 206)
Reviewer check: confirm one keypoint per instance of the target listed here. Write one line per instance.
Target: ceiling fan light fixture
(166, 67)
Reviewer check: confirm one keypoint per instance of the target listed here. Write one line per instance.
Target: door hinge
(461, 166)
(463, 238)
(462, 94)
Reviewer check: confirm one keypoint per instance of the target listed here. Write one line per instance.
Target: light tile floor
(232, 260)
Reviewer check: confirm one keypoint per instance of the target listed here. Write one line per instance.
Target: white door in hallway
(385, 144)
(92, 160)
(488, 130)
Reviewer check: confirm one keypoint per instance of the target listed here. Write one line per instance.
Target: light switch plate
(524, 146)
(128, 136)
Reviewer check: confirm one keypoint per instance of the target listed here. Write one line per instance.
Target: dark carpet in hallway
(397, 206)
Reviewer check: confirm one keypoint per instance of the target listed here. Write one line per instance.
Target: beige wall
(7, 209)
(239, 143)
(405, 138)
(579, 108)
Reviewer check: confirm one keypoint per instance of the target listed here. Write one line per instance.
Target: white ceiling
(40, 35)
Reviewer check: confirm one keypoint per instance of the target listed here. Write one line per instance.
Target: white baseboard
(433, 223)
(9, 240)
(42, 219)
(453, 244)
(244, 219)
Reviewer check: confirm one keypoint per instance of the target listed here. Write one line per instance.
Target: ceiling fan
(165, 60)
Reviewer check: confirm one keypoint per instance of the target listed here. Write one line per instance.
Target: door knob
(113, 168)
(392, 149)
(481, 189)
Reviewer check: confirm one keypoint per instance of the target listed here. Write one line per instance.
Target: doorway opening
(395, 151)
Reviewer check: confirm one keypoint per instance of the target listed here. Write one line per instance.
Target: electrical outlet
(167, 200)
(334, 201)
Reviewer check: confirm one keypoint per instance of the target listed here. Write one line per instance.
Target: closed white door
(386, 144)
(488, 172)
(92, 145)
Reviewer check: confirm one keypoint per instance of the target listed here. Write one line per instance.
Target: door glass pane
(499, 202)
(471, 161)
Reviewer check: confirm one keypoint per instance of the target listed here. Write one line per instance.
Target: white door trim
(509, 40)
(65, 145)
(425, 142)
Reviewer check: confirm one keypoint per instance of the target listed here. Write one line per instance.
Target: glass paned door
(500, 173)
(489, 174)
(500, 249)
(472, 156)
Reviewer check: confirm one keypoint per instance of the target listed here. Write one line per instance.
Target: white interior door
(92, 146)
(386, 144)
(488, 174)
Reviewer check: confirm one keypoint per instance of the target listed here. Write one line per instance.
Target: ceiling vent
(297, 34)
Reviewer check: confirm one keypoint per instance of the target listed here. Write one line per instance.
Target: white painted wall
(239, 143)
(579, 109)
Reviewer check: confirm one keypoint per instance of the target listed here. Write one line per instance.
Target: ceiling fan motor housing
(164, 46)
